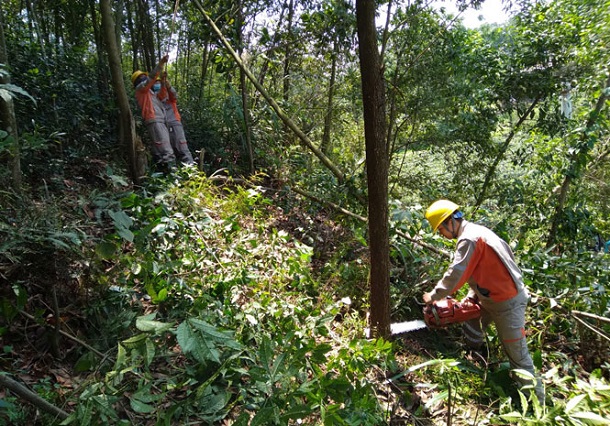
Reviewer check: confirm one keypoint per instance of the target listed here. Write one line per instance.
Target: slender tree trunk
(144, 25)
(288, 52)
(280, 113)
(373, 95)
(246, 112)
(271, 52)
(8, 122)
(34, 24)
(577, 163)
(328, 118)
(500, 155)
(133, 34)
(32, 397)
(99, 43)
(204, 70)
(244, 92)
(286, 72)
(128, 138)
(157, 29)
(118, 17)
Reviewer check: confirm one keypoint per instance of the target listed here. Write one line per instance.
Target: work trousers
(179, 144)
(509, 317)
(161, 147)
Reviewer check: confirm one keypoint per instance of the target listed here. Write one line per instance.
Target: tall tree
(8, 122)
(580, 157)
(377, 163)
(127, 128)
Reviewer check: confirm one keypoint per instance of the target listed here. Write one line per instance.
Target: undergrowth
(195, 307)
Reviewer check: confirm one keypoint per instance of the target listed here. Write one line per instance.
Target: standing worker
(153, 113)
(168, 97)
(486, 262)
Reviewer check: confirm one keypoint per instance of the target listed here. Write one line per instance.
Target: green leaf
(264, 416)
(4, 404)
(15, 89)
(126, 234)
(135, 341)
(161, 296)
(242, 420)
(513, 416)
(147, 323)
(120, 219)
(195, 344)
(574, 402)
(106, 249)
(140, 407)
(296, 412)
(590, 418)
(86, 362)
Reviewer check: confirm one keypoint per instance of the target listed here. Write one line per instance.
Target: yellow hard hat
(439, 211)
(136, 74)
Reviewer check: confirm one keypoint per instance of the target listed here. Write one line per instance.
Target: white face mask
(156, 87)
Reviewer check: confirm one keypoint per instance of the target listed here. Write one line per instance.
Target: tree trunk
(274, 44)
(328, 118)
(286, 72)
(144, 26)
(280, 113)
(373, 95)
(204, 72)
(128, 138)
(500, 155)
(8, 122)
(246, 113)
(34, 25)
(102, 80)
(133, 34)
(244, 93)
(577, 163)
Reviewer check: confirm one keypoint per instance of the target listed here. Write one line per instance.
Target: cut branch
(33, 398)
(592, 328)
(340, 209)
(69, 336)
(592, 316)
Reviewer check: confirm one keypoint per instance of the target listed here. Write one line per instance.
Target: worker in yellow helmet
(153, 113)
(486, 262)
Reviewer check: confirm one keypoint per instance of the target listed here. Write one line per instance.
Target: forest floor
(38, 356)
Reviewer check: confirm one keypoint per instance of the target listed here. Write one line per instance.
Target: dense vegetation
(239, 292)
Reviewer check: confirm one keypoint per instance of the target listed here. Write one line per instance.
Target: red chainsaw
(449, 311)
(442, 313)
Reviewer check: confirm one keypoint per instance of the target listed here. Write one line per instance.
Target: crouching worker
(486, 262)
(153, 113)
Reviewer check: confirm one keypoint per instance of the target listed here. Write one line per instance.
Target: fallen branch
(589, 326)
(417, 241)
(593, 316)
(75, 339)
(33, 398)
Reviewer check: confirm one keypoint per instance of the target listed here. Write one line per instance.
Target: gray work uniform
(153, 113)
(487, 264)
(175, 127)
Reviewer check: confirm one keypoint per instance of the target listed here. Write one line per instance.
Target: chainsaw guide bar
(442, 313)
